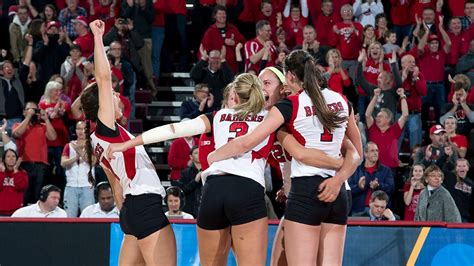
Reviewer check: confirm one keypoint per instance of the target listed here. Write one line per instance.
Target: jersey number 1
(326, 136)
(239, 128)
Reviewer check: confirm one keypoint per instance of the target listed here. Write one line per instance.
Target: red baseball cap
(436, 129)
(81, 19)
(53, 24)
(433, 37)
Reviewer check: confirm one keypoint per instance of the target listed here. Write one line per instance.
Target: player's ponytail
(249, 90)
(303, 66)
(89, 152)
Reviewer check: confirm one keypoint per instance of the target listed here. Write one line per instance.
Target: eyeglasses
(203, 91)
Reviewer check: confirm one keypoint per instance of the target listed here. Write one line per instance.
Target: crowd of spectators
(406, 66)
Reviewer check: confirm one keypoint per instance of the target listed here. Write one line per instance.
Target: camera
(123, 21)
(37, 111)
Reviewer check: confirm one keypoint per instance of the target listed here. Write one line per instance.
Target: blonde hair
(51, 85)
(249, 90)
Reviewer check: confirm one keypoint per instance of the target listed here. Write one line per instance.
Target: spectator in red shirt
(459, 141)
(383, 132)
(104, 10)
(13, 183)
(411, 191)
(459, 42)
(32, 134)
(84, 38)
(337, 76)
(418, 7)
(294, 25)
(178, 155)
(348, 39)
(432, 60)
(255, 48)
(401, 20)
(271, 14)
(414, 84)
(222, 33)
(326, 20)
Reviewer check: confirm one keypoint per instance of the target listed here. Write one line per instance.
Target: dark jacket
(142, 17)
(384, 176)
(191, 189)
(19, 83)
(216, 81)
(50, 58)
(132, 41)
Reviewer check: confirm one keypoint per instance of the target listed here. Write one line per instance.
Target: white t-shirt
(34, 211)
(94, 211)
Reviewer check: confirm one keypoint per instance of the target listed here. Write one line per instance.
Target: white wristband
(177, 130)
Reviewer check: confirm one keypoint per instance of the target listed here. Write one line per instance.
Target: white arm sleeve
(187, 128)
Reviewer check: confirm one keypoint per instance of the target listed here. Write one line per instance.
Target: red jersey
(414, 90)
(336, 83)
(178, 156)
(432, 64)
(459, 46)
(206, 146)
(400, 12)
(159, 7)
(12, 189)
(371, 73)
(250, 11)
(214, 39)
(324, 25)
(175, 7)
(86, 43)
(37, 149)
(459, 140)
(254, 46)
(387, 142)
(294, 29)
(57, 123)
(417, 8)
(411, 209)
(349, 39)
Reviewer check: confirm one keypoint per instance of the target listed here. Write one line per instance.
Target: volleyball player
(316, 214)
(148, 238)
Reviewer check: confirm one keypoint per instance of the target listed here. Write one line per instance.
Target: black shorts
(303, 205)
(230, 200)
(142, 215)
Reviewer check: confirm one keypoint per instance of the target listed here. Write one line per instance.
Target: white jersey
(227, 126)
(308, 131)
(133, 168)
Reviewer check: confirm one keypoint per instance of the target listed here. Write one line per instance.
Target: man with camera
(439, 151)
(31, 135)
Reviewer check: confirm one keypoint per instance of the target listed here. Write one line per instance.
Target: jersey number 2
(239, 128)
(326, 136)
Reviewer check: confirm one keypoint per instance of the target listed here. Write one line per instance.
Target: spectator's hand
(463, 97)
(45, 38)
(210, 100)
(329, 189)
(3, 127)
(130, 3)
(393, 58)
(362, 182)
(117, 24)
(268, 44)
(413, 182)
(336, 30)
(450, 79)
(112, 11)
(29, 39)
(17, 164)
(62, 36)
(441, 18)
(401, 92)
(223, 53)
(230, 41)
(418, 20)
(362, 56)
(44, 115)
(4, 53)
(2, 167)
(239, 46)
(374, 184)
(204, 55)
(197, 179)
(448, 150)
(416, 72)
(29, 113)
(130, 24)
(388, 214)
(428, 152)
(455, 100)
(280, 196)
(97, 27)
(305, 46)
(377, 92)
(202, 105)
(315, 45)
(123, 121)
